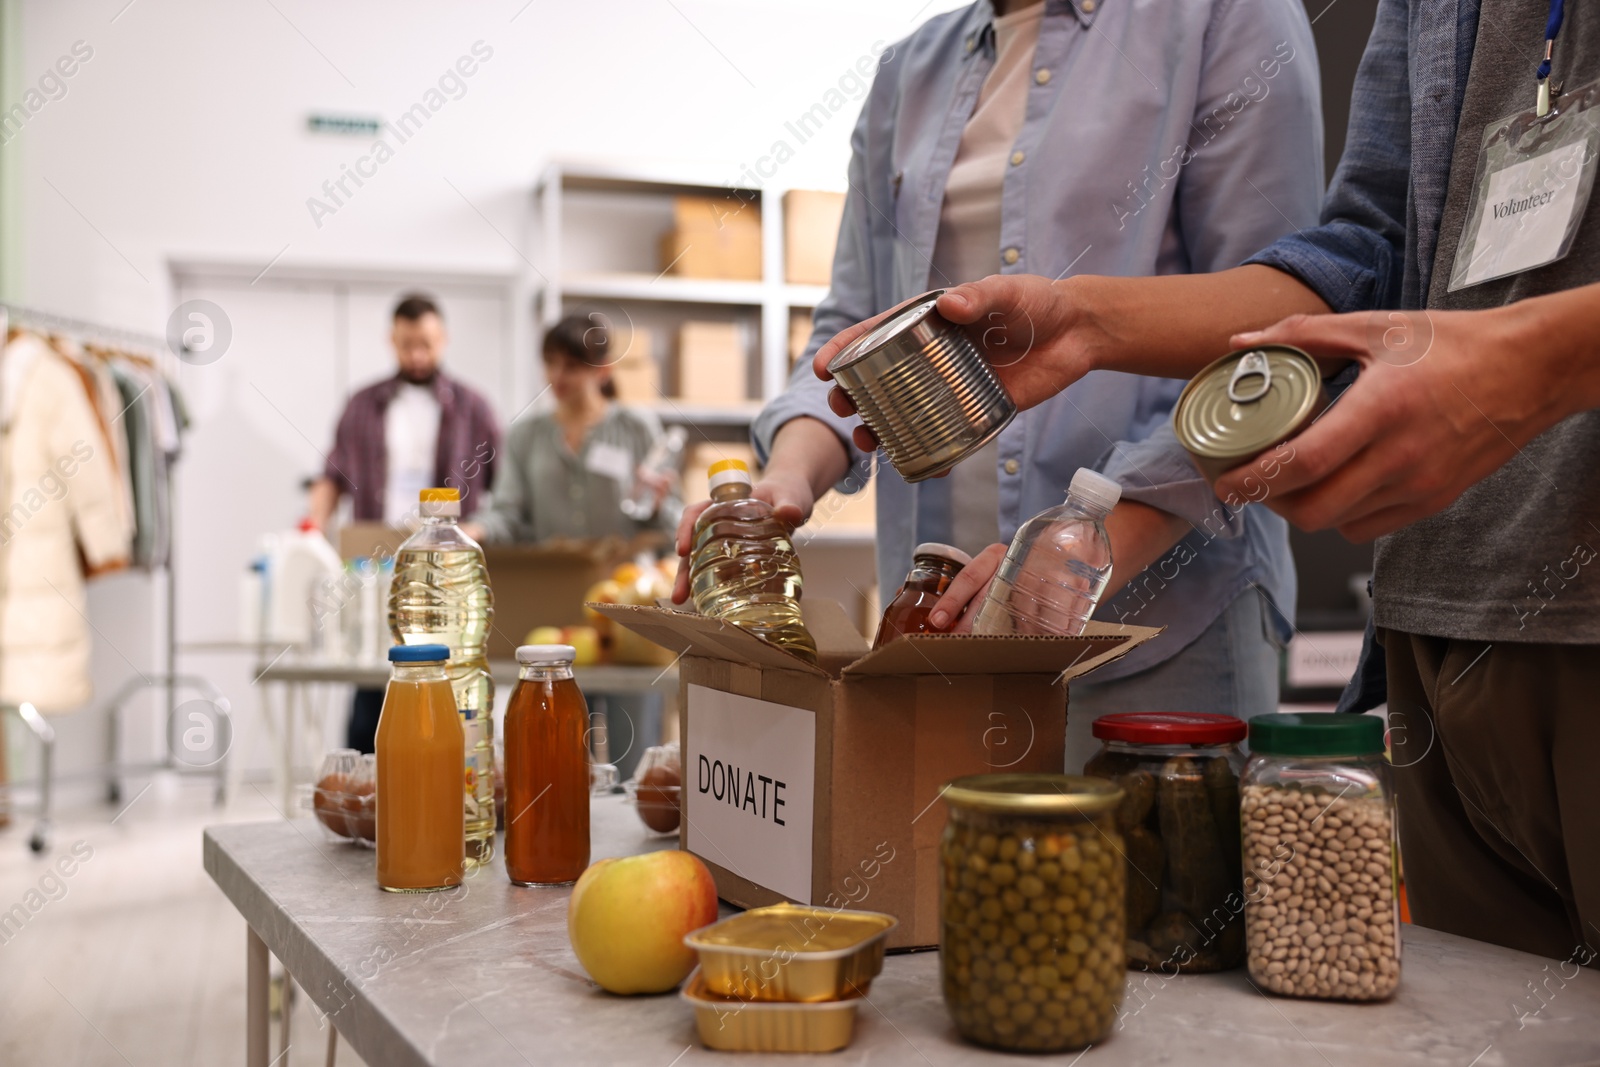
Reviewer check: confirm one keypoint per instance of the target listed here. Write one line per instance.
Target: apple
(544, 635)
(585, 642)
(627, 919)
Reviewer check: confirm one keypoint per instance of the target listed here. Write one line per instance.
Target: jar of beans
(1179, 818)
(1031, 903)
(1319, 861)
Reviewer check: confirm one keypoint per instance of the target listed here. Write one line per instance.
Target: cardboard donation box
(821, 784)
(544, 584)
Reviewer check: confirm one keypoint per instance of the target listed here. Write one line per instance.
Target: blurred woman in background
(566, 471)
(565, 474)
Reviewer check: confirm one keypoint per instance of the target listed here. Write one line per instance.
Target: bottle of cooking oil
(440, 596)
(743, 568)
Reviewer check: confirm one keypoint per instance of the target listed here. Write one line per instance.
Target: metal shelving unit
(773, 298)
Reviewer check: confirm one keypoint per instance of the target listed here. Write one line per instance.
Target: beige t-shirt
(968, 245)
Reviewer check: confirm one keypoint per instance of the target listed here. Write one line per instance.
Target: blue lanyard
(1552, 27)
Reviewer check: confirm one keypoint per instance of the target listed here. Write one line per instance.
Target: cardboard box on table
(841, 765)
(544, 584)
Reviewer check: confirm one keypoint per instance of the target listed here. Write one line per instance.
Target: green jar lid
(1316, 734)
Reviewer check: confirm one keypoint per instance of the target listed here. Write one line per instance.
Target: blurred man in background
(419, 429)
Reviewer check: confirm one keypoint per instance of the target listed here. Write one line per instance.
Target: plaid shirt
(464, 459)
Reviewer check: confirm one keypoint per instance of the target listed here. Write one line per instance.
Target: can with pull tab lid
(923, 387)
(1246, 403)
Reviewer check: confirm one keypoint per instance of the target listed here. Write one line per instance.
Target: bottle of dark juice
(932, 567)
(547, 770)
(420, 748)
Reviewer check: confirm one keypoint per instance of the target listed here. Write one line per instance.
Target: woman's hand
(955, 610)
(1028, 327)
(788, 492)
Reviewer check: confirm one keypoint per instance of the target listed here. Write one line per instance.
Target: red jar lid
(1170, 728)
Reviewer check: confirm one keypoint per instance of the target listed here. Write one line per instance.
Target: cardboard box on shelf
(799, 334)
(820, 784)
(810, 231)
(636, 372)
(713, 237)
(712, 363)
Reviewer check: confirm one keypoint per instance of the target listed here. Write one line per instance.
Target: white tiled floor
(137, 957)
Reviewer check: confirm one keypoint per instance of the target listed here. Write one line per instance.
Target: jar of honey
(932, 567)
(547, 770)
(420, 749)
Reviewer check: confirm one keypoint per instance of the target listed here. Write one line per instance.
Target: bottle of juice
(440, 595)
(1057, 565)
(547, 770)
(743, 568)
(932, 567)
(421, 823)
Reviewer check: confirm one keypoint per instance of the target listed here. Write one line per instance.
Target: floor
(136, 957)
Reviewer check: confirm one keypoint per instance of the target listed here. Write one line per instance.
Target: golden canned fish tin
(788, 952)
(732, 1025)
(923, 387)
(1245, 403)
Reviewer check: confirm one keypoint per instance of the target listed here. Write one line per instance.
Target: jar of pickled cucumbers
(1179, 773)
(1031, 906)
(1321, 914)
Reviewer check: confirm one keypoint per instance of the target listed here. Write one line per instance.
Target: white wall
(184, 137)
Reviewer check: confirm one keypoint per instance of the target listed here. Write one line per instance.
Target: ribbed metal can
(923, 387)
(1246, 403)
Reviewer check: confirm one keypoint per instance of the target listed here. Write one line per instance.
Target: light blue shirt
(1160, 137)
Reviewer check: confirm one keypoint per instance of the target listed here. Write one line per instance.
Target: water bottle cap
(419, 653)
(528, 654)
(934, 548)
(728, 472)
(1095, 488)
(439, 503)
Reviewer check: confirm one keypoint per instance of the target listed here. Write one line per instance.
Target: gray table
(485, 976)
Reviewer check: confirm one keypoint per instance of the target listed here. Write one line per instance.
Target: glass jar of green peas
(1032, 910)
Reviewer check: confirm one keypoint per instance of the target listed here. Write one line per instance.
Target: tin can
(1246, 403)
(923, 387)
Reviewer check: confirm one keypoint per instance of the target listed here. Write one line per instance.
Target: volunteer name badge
(1532, 185)
(749, 774)
(611, 460)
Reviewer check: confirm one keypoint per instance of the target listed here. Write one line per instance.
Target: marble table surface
(485, 976)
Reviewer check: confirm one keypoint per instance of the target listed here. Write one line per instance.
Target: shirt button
(1012, 466)
(1011, 255)
(1042, 75)
(1017, 158)
(1088, 7)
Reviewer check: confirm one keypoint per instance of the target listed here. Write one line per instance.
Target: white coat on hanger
(59, 496)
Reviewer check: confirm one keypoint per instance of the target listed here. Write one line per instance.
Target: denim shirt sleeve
(1354, 259)
(1255, 169)
(849, 299)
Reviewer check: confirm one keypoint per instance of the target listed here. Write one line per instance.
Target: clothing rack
(167, 679)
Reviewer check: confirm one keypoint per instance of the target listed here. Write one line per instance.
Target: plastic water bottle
(662, 459)
(440, 596)
(743, 568)
(1057, 566)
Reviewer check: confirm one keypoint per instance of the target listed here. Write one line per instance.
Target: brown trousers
(1497, 768)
